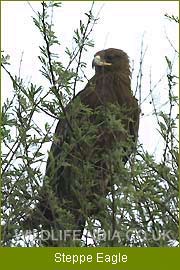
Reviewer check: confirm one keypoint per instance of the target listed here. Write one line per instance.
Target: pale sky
(121, 25)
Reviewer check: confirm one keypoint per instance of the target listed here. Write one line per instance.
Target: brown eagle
(102, 117)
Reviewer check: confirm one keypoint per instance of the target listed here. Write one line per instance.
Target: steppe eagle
(77, 168)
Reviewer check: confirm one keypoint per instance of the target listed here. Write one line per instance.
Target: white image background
(122, 25)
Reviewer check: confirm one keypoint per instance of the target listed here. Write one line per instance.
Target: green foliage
(172, 18)
(5, 59)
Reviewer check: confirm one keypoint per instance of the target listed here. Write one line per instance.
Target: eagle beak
(98, 62)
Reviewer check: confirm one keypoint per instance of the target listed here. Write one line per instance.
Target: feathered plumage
(76, 174)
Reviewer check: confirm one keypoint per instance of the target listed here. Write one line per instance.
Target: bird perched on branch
(100, 117)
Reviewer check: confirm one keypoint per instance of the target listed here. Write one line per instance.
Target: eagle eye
(109, 58)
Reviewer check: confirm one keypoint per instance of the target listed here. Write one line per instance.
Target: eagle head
(110, 60)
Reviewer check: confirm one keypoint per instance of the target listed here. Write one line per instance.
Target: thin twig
(53, 81)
